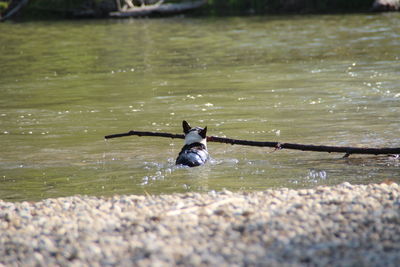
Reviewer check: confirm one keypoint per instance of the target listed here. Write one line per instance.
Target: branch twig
(338, 149)
(14, 10)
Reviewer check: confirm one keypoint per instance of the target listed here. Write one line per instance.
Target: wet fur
(194, 152)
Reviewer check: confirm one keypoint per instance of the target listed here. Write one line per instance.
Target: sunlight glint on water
(331, 80)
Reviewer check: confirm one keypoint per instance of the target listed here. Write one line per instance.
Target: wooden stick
(139, 133)
(277, 145)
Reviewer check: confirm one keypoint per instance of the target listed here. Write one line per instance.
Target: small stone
(346, 185)
(394, 186)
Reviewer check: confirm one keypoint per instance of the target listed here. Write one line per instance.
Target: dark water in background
(324, 80)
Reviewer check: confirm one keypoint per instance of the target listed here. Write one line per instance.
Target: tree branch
(337, 149)
(158, 8)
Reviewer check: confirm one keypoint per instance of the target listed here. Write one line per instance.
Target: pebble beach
(343, 225)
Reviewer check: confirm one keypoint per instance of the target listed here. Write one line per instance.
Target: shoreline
(110, 8)
(337, 225)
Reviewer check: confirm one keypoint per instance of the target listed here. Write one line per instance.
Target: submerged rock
(386, 5)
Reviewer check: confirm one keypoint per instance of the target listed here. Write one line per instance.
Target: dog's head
(194, 135)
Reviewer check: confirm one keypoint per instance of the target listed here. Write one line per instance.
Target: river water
(322, 80)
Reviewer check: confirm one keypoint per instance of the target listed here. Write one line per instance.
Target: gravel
(344, 225)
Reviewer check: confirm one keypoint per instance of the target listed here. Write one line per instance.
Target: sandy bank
(341, 225)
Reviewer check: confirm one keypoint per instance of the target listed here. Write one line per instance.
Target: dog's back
(194, 152)
(193, 155)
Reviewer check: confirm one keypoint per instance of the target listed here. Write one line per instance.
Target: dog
(194, 152)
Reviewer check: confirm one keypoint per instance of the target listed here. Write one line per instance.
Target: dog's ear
(186, 127)
(203, 133)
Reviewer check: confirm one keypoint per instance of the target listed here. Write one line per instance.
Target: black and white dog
(194, 152)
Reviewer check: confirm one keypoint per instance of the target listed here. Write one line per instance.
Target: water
(323, 80)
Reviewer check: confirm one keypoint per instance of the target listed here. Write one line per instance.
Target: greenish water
(331, 80)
